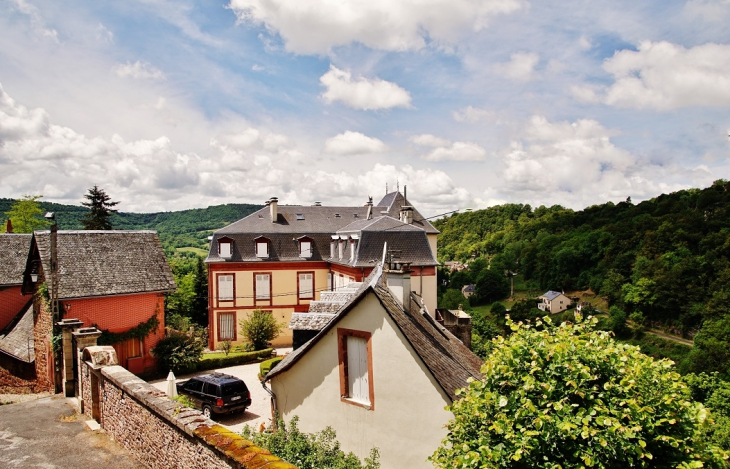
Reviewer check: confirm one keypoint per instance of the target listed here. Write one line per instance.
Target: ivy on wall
(142, 330)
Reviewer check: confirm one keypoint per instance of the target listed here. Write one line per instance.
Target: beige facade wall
(432, 239)
(559, 304)
(429, 291)
(284, 298)
(408, 416)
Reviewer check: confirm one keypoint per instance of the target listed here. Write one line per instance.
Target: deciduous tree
(26, 215)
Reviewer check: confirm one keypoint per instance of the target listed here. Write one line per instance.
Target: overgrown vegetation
(140, 331)
(260, 328)
(308, 450)
(569, 396)
(180, 352)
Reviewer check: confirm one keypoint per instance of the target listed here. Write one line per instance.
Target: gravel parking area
(260, 410)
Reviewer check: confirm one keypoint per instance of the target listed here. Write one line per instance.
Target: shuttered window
(355, 358)
(306, 285)
(224, 248)
(305, 249)
(225, 287)
(227, 326)
(263, 287)
(262, 249)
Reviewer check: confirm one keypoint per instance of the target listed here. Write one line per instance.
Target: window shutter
(225, 287)
(306, 285)
(358, 387)
(263, 290)
(305, 249)
(225, 248)
(262, 249)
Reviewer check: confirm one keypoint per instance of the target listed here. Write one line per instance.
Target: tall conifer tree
(101, 210)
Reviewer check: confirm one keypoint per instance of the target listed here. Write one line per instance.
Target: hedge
(232, 359)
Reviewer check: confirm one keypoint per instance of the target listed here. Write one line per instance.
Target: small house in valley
(553, 302)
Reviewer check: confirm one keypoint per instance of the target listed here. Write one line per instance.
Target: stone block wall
(161, 433)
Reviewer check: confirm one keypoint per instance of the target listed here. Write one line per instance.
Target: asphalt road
(260, 410)
(47, 433)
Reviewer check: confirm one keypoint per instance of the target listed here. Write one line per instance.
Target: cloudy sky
(173, 104)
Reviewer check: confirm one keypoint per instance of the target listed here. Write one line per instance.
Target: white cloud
(665, 76)
(138, 70)
(353, 143)
(458, 151)
(37, 21)
(257, 68)
(316, 26)
(17, 121)
(428, 140)
(521, 66)
(362, 93)
(472, 114)
(709, 10)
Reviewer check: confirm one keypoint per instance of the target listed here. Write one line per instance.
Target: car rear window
(234, 387)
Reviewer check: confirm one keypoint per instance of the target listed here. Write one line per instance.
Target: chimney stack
(398, 277)
(9, 226)
(273, 202)
(369, 205)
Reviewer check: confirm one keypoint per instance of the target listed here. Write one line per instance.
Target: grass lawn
(198, 251)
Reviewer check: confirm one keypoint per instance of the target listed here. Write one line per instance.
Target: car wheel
(207, 412)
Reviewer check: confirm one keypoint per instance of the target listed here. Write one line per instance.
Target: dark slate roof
(13, 256)
(449, 361)
(103, 263)
(412, 244)
(392, 204)
(317, 219)
(18, 335)
(550, 295)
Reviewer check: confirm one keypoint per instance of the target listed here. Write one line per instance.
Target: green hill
(181, 229)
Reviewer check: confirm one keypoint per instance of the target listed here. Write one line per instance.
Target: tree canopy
(26, 215)
(570, 396)
(100, 206)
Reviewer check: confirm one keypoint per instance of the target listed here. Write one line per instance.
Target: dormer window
(353, 247)
(333, 246)
(305, 247)
(262, 247)
(342, 247)
(300, 216)
(225, 248)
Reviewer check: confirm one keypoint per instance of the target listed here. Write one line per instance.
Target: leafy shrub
(260, 328)
(267, 365)
(211, 362)
(179, 352)
(715, 394)
(309, 450)
(570, 396)
(225, 347)
(185, 401)
(178, 322)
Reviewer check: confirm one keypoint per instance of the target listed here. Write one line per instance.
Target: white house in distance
(553, 302)
(380, 373)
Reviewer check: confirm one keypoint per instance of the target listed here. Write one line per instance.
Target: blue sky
(178, 104)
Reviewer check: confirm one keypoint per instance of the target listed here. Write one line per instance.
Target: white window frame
(224, 294)
(225, 248)
(356, 368)
(231, 326)
(262, 248)
(260, 279)
(305, 248)
(306, 293)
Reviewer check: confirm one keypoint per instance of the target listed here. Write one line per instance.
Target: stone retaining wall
(160, 432)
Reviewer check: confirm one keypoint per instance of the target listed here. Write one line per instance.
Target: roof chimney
(273, 206)
(9, 226)
(398, 278)
(369, 205)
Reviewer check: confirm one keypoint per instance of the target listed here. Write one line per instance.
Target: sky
(176, 104)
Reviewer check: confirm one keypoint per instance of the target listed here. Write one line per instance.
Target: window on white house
(353, 249)
(263, 286)
(306, 285)
(227, 326)
(305, 249)
(333, 248)
(225, 287)
(225, 249)
(262, 248)
(342, 249)
(355, 357)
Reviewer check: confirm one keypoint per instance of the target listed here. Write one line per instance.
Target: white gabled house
(380, 372)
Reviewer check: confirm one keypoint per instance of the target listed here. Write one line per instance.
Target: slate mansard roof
(320, 224)
(105, 263)
(449, 361)
(13, 256)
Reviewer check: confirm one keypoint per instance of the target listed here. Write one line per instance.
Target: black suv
(216, 393)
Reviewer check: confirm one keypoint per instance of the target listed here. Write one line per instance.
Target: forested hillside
(667, 258)
(186, 228)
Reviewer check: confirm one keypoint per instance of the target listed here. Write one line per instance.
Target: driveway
(260, 410)
(47, 433)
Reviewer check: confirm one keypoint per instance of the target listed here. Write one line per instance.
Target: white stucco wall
(408, 419)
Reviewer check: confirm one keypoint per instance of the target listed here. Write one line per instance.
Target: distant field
(198, 251)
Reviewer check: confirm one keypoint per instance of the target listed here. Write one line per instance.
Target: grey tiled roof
(13, 256)
(392, 204)
(448, 360)
(320, 224)
(309, 321)
(17, 337)
(550, 295)
(103, 263)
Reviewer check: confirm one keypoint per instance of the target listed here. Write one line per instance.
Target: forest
(664, 262)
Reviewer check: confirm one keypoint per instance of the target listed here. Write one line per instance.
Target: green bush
(212, 362)
(267, 365)
(179, 352)
(260, 328)
(569, 396)
(309, 450)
